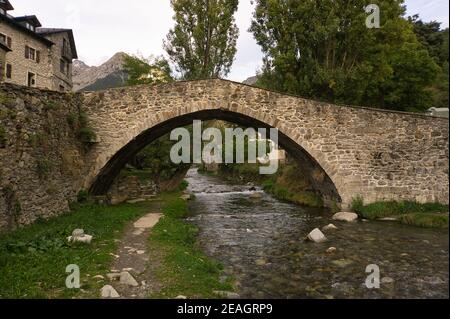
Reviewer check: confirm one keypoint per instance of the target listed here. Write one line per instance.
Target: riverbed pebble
(317, 236)
(329, 227)
(345, 217)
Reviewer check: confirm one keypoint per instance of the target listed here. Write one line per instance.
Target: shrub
(44, 167)
(358, 205)
(82, 196)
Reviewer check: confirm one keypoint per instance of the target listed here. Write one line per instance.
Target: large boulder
(345, 217)
(317, 236)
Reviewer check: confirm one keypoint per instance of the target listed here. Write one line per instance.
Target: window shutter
(9, 42)
(27, 52)
(38, 56)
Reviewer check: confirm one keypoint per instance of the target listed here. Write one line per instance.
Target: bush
(358, 205)
(82, 196)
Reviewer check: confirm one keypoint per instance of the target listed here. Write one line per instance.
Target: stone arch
(322, 182)
(342, 141)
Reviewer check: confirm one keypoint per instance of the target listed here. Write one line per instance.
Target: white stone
(140, 252)
(109, 292)
(317, 236)
(345, 217)
(85, 239)
(331, 250)
(181, 297)
(329, 227)
(78, 233)
(98, 277)
(127, 279)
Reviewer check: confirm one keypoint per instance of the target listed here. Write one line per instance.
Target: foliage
(155, 160)
(436, 41)
(358, 205)
(323, 50)
(33, 259)
(151, 70)
(203, 42)
(44, 166)
(185, 269)
(80, 124)
(82, 196)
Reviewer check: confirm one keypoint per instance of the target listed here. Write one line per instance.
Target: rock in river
(345, 217)
(329, 227)
(317, 236)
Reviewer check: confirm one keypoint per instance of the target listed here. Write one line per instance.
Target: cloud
(105, 27)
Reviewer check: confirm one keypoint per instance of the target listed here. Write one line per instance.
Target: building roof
(5, 4)
(50, 31)
(17, 25)
(33, 20)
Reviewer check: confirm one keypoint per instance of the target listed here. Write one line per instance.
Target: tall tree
(323, 50)
(435, 40)
(202, 43)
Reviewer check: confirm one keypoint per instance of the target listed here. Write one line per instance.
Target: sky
(105, 27)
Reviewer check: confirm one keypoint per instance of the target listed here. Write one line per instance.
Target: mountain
(251, 80)
(94, 78)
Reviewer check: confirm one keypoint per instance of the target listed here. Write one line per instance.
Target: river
(261, 244)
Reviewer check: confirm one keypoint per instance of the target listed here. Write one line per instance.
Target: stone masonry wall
(376, 154)
(41, 160)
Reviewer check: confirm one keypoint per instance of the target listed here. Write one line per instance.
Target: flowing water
(261, 244)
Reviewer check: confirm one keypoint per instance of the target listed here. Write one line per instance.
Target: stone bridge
(346, 151)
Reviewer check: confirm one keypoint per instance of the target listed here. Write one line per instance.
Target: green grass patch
(184, 269)
(407, 212)
(285, 194)
(33, 259)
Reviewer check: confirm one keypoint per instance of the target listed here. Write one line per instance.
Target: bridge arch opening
(321, 182)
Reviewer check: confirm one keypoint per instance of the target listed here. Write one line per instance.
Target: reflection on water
(261, 244)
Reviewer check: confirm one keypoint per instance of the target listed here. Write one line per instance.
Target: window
(64, 66)
(32, 54)
(31, 79)
(5, 40)
(8, 71)
(62, 88)
(65, 48)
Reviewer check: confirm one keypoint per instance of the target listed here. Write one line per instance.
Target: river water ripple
(260, 243)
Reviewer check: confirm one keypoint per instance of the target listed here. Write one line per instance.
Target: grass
(184, 269)
(33, 259)
(408, 212)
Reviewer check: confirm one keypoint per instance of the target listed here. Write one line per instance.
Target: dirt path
(132, 256)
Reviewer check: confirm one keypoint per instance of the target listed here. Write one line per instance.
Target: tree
(203, 42)
(150, 70)
(436, 41)
(323, 50)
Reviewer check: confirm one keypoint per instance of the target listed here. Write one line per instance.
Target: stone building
(34, 56)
